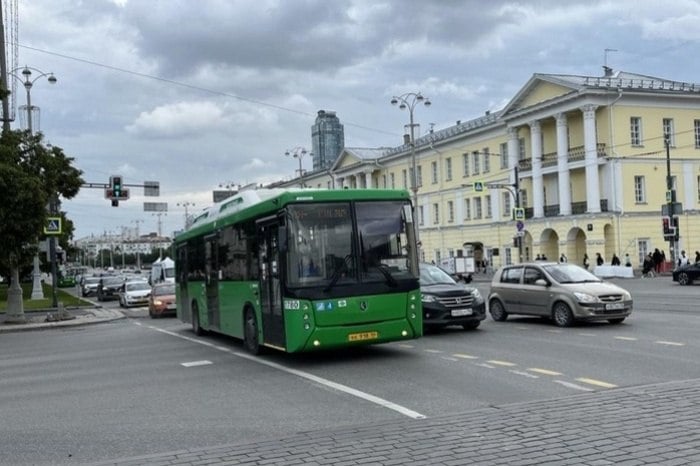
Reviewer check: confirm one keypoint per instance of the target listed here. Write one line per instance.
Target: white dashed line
(544, 371)
(573, 385)
(501, 363)
(525, 374)
(196, 363)
(670, 343)
(464, 356)
(597, 383)
(626, 338)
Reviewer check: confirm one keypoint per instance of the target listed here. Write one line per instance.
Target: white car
(135, 293)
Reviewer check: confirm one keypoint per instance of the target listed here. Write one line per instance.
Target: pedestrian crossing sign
(53, 226)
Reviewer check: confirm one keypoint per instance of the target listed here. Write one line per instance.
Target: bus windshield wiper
(391, 281)
(337, 273)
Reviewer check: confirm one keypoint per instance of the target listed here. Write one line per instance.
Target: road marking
(196, 363)
(554, 331)
(626, 338)
(448, 358)
(544, 371)
(464, 356)
(573, 385)
(670, 343)
(501, 363)
(587, 334)
(483, 364)
(305, 375)
(525, 374)
(433, 351)
(598, 383)
(404, 345)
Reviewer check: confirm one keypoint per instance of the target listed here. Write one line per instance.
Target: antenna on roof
(606, 68)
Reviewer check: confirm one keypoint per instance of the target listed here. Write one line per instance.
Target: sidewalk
(649, 425)
(80, 316)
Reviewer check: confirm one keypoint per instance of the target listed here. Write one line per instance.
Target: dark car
(88, 285)
(109, 287)
(686, 274)
(446, 302)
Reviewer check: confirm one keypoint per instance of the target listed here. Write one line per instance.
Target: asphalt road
(141, 386)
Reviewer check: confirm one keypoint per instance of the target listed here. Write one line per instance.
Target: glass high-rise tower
(327, 138)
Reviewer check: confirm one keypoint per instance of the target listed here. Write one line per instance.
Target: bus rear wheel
(196, 327)
(250, 332)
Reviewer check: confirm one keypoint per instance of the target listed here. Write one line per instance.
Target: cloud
(179, 120)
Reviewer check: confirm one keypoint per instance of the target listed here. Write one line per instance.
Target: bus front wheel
(251, 342)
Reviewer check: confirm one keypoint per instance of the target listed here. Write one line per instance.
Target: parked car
(446, 302)
(134, 293)
(562, 292)
(88, 286)
(686, 274)
(109, 287)
(162, 300)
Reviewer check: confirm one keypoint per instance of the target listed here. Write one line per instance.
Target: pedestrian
(697, 257)
(615, 260)
(683, 260)
(656, 257)
(544, 258)
(628, 261)
(563, 258)
(538, 258)
(586, 263)
(599, 259)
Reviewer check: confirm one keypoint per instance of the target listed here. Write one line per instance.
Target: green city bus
(302, 269)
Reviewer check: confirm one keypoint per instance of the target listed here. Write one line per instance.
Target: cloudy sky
(200, 93)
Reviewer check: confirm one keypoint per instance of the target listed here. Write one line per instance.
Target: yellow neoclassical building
(590, 157)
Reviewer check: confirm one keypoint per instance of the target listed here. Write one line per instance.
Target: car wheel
(498, 312)
(471, 325)
(683, 279)
(252, 344)
(196, 328)
(562, 315)
(619, 320)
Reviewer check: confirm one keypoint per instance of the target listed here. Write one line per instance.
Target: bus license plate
(461, 312)
(363, 336)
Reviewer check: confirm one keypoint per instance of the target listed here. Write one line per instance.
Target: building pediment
(539, 89)
(352, 159)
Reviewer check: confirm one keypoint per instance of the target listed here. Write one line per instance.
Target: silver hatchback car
(563, 292)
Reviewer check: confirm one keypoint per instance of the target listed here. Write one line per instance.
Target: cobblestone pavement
(646, 425)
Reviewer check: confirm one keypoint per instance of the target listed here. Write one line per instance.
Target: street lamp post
(409, 101)
(298, 153)
(28, 83)
(671, 201)
(186, 204)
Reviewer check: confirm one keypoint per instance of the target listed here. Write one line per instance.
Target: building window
(450, 212)
(468, 208)
(487, 201)
(433, 172)
(644, 248)
(636, 131)
(477, 207)
(698, 188)
(384, 181)
(521, 149)
(450, 252)
(476, 164)
(523, 198)
(465, 165)
(392, 177)
(487, 160)
(639, 190)
(668, 129)
(420, 176)
(448, 169)
(504, 155)
(697, 133)
(421, 216)
(404, 174)
(509, 256)
(436, 213)
(437, 256)
(506, 205)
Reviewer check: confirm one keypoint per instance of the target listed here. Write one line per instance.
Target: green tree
(32, 175)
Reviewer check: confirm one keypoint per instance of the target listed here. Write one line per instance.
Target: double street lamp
(28, 83)
(409, 101)
(298, 153)
(186, 204)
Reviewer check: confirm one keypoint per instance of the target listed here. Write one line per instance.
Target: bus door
(183, 309)
(270, 283)
(211, 249)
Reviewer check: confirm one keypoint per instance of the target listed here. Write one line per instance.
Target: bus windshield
(325, 250)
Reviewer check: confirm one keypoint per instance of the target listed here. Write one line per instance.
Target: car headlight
(428, 298)
(476, 295)
(585, 297)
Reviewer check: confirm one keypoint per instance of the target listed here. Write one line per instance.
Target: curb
(92, 316)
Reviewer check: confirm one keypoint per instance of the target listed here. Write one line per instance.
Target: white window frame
(668, 128)
(476, 163)
(448, 169)
(468, 208)
(478, 211)
(487, 160)
(450, 212)
(465, 165)
(640, 196)
(636, 137)
(504, 155)
(436, 213)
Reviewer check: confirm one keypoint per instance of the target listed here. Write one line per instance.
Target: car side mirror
(541, 282)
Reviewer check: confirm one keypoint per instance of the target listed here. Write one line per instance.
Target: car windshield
(433, 275)
(111, 281)
(164, 290)
(137, 286)
(570, 273)
(92, 280)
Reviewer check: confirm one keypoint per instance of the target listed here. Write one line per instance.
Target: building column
(512, 152)
(563, 165)
(340, 182)
(537, 182)
(591, 160)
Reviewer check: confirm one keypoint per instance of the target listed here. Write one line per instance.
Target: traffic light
(675, 225)
(669, 230)
(116, 182)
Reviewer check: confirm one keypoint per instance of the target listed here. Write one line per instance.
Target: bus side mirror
(282, 239)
